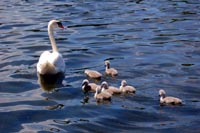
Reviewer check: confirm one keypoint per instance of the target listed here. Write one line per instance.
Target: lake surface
(154, 44)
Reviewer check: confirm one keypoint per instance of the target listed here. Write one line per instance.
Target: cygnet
(168, 99)
(110, 89)
(126, 88)
(110, 71)
(101, 96)
(93, 74)
(86, 86)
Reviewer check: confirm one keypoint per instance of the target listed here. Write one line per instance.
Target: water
(153, 44)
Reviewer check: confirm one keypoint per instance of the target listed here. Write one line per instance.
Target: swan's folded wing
(57, 60)
(43, 62)
(44, 57)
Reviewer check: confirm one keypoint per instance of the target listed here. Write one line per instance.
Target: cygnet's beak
(83, 84)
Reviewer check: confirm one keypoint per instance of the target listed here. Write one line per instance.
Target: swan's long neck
(52, 39)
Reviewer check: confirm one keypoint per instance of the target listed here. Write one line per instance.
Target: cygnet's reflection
(49, 82)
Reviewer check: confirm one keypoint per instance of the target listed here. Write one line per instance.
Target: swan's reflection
(49, 82)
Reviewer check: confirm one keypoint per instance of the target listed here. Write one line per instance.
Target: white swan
(51, 62)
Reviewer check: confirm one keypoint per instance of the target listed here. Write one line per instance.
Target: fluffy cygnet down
(110, 71)
(110, 89)
(86, 86)
(168, 99)
(101, 96)
(126, 88)
(93, 74)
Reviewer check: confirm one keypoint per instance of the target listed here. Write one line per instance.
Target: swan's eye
(60, 25)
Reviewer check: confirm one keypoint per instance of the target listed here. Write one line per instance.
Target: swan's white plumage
(51, 62)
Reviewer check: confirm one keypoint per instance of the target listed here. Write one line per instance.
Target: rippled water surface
(153, 43)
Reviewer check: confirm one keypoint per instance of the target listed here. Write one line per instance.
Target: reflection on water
(53, 107)
(153, 45)
(50, 82)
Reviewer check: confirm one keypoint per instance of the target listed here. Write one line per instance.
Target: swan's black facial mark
(60, 25)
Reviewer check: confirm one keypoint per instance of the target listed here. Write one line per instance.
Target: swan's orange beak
(60, 25)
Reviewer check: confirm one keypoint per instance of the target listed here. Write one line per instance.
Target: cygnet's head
(162, 93)
(104, 85)
(85, 82)
(123, 83)
(107, 63)
(55, 24)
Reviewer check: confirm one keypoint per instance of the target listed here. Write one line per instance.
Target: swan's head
(55, 24)
(162, 93)
(123, 83)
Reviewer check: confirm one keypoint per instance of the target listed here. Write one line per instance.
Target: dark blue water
(153, 44)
